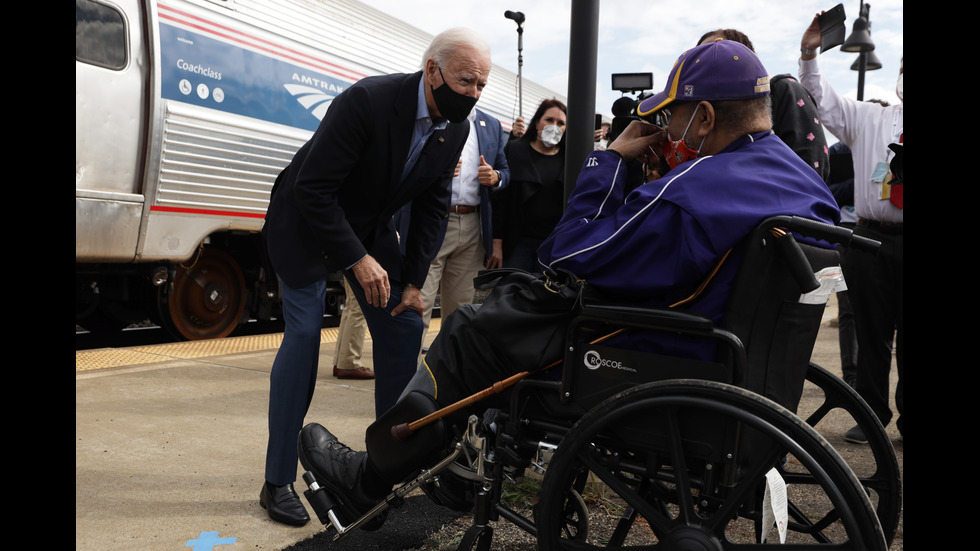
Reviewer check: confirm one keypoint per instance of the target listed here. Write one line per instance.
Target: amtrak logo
(314, 100)
(593, 360)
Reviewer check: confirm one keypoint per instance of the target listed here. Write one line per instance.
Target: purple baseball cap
(720, 70)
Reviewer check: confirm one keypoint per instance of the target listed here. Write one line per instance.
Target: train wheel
(206, 299)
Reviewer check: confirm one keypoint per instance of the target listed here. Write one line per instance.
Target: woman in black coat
(527, 210)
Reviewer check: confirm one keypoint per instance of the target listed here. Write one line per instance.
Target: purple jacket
(655, 245)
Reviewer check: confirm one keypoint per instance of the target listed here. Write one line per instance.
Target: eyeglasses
(665, 114)
(659, 118)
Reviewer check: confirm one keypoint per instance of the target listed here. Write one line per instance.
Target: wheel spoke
(624, 491)
(683, 484)
(805, 525)
(744, 491)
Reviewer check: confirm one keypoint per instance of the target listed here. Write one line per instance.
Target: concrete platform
(170, 442)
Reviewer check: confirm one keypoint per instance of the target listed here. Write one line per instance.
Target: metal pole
(582, 55)
(862, 68)
(520, 65)
(518, 17)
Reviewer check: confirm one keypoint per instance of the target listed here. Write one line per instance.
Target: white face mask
(898, 87)
(551, 135)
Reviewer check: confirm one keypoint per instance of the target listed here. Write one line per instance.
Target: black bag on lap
(520, 327)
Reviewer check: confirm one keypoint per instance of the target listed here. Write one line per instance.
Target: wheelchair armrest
(647, 317)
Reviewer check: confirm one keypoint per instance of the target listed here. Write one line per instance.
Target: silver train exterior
(185, 112)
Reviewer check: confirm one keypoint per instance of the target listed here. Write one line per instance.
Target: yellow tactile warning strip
(102, 358)
(139, 355)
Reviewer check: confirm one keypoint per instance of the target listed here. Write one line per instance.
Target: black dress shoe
(855, 435)
(283, 504)
(339, 469)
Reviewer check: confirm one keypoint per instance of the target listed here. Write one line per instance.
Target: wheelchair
(673, 452)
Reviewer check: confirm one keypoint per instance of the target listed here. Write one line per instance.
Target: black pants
(876, 289)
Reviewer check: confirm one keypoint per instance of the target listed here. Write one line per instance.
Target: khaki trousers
(451, 273)
(351, 333)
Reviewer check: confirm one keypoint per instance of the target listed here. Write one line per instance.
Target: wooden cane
(404, 430)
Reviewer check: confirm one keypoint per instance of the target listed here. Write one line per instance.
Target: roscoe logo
(594, 360)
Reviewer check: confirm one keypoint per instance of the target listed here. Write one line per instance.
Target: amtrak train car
(185, 112)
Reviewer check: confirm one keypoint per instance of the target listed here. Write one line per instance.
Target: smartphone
(598, 121)
(832, 28)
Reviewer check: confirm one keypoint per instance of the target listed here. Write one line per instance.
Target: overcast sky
(648, 35)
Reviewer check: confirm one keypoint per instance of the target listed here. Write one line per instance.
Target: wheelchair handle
(799, 266)
(826, 232)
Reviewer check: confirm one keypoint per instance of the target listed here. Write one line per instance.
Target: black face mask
(452, 105)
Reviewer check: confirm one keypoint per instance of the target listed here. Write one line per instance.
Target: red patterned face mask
(678, 152)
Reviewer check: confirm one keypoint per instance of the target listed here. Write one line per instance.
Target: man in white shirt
(875, 135)
(467, 237)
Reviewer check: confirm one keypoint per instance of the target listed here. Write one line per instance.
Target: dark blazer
(525, 181)
(335, 201)
(491, 140)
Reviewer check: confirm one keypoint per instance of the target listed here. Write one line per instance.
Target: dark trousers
(396, 344)
(876, 289)
(847, 337)
(293, 377)
(847, 334)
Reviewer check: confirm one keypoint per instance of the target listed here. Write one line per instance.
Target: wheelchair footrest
(325, 504)
(322, 501)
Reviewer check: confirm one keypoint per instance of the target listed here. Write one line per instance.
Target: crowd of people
(425, 190)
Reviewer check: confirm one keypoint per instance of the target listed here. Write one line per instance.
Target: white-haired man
(384, 142)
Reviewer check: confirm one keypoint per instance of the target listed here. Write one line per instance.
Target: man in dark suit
(384, 142)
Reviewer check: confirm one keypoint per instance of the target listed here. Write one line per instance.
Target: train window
(100, 35)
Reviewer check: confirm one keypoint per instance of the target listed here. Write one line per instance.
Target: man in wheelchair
(652, 244)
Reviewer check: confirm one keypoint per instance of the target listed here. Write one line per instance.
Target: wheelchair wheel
(883, 480)
(683, 464)
(574, 524)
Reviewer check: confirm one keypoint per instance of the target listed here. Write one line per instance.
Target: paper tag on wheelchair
(774, 509)
(831, 280)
